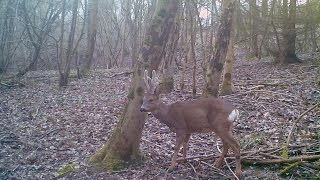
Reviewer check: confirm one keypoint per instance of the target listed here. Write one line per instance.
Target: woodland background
(66, 68)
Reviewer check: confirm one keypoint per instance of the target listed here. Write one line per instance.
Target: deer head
(151, 97)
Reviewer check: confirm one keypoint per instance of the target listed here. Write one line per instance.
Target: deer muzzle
(143, 109)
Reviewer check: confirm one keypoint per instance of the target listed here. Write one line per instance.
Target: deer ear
(154, 74)
(157, 91)
(155, 78)
(146, 79)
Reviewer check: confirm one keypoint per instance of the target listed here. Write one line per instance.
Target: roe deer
(198, 116)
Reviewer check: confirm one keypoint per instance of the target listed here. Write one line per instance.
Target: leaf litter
(45, 131)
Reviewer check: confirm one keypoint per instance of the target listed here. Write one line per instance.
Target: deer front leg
(179, 140)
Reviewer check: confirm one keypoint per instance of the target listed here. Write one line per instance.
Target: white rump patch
(234, 115)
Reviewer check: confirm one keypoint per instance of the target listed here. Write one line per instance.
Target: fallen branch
(271, 156)
(119, 74)
(13, 83)
(287, 169)
(263, 84)
(282, 161)
(297, 120)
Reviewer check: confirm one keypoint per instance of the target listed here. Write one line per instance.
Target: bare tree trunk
(253, 29)
(123, 145)
(192, 33)
(167, 81)
(226, 87)
(265, 33)
(7, 33)
(64, 68)
(185, 45)
(215, 66)
(288, 54)
(92, 31)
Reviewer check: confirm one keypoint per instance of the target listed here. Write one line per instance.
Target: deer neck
(162, 114)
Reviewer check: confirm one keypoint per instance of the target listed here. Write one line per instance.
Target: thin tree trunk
(64, 73)
(192, 54)
(185, 45)
(253, 29)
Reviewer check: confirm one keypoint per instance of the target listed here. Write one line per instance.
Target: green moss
(130, 95)
(252, 140)
(73, 75)
(285, 152)
(67, 169)
(114, 164)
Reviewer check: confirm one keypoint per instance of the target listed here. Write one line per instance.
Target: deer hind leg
(185, 146)
(219, 162)
(234, 145)
(179, 140)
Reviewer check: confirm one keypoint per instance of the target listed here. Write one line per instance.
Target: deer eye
(150, 100)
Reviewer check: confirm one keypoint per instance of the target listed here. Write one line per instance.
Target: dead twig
(46, 134)
(211, 156)
(194, 170)
(119, 74)
(218, 171)
(298, 119)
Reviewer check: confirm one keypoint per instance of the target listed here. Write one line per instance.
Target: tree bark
(226, 87)
(185, 45)
(215, 66)
(288, 54)
(64, 70)
(253, 29)
(192, 35)
(123, 146)
(167, 81)
(92, 31)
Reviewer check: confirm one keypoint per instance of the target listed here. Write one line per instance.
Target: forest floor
(45, 131)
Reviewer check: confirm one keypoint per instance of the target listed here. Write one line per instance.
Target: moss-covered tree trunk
(123, 146)
(215, 66)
